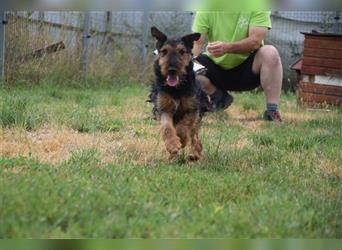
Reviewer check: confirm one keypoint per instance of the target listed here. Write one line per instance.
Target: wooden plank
(320, 89)
(297, 65)
(315, 105)
(327, 80)
(323, 53)
(322, 62)
(323, 44)
(315, 70)
(324, 37)
(318, 98)
(42, 52)
(319, 35)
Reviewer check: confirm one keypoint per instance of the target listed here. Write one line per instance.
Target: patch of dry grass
(332, 167)
(138, 140)
(55, 144)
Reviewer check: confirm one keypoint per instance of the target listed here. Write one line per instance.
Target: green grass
(15, 109)
(256, 179)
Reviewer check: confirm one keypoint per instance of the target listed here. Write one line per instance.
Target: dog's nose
(172, 71)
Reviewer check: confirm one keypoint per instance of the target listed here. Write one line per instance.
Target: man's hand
(217, 49)
(247, 45)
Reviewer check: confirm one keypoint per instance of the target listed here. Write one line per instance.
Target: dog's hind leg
(187, 129)
(183, 129)
(169, 135)
(183, 134)
(196, 144)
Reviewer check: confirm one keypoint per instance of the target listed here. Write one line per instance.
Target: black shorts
(240, 78)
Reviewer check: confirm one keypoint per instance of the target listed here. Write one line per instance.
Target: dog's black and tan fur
(179, 102)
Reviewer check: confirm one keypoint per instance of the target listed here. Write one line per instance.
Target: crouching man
(236, 58)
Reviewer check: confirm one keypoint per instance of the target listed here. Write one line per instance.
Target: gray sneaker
(273, 116)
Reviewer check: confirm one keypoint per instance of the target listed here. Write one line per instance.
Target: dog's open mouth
(172, 80)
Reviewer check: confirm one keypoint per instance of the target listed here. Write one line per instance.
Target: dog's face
(174, 55)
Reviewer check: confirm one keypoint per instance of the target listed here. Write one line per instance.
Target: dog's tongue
(172, 81)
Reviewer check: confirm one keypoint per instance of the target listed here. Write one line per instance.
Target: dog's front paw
(194, 157)
(173, 145)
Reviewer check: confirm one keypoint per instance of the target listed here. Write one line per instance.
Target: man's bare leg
(267, 63)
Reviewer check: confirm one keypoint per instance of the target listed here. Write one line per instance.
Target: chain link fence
(59, 46)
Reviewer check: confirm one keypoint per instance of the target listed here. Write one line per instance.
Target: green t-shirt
(229, 27)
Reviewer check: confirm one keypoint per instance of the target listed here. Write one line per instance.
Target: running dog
(179, 102)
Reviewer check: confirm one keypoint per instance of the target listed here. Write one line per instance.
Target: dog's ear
(159, 36)
(189, 40)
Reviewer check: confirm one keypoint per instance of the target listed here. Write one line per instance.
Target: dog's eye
(182, 51)
(163, 52)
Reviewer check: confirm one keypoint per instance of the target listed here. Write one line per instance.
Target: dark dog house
(320, 70)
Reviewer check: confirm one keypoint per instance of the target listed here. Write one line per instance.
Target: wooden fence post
(109, 21)
(85, 44)
(2, 45)
(145, 40)
(41, 18)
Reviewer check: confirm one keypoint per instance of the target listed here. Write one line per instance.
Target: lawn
(89, 162)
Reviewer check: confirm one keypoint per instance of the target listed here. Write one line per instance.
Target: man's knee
(270, 55)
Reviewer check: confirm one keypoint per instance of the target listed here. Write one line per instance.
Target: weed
(263, 140)
(247, 106)
(15, 110)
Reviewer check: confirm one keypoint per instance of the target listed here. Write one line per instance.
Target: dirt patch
(51, 144)
(241, 142)
(331, 168)
(253, 120)
(291, 117)
(250, 120)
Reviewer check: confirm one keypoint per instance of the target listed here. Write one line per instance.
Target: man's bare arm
(247, 45)
(199, 44)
